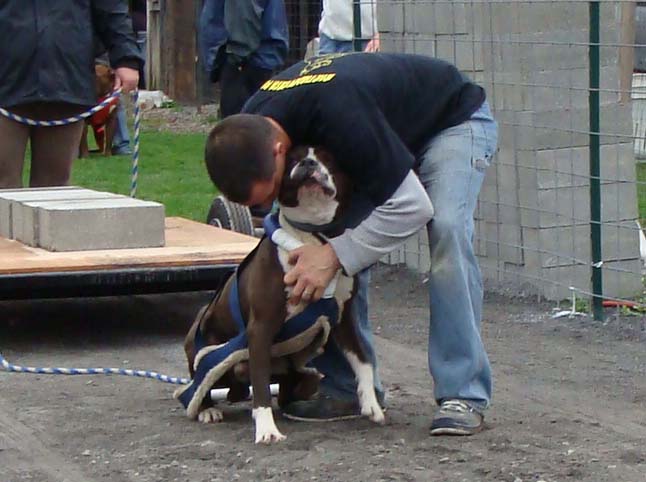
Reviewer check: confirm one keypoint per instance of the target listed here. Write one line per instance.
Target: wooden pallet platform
(196, 256)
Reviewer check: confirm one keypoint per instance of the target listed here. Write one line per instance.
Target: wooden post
(626, 53)
(153, 55)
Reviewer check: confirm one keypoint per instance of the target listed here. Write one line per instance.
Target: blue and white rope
(60, 122)
(92, 371)
(85, 115)
(135, 151)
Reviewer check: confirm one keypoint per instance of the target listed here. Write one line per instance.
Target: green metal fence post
(595, 161)
(356, 22)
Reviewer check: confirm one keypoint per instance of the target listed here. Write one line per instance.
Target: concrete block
(570, 245)
(94, 224)
(5, 215)
(392, 43)
(502, 17)
(445, 47)
(618, 163)
(487, 210)
(436, 18)
(538, 17)
(34, 189)
(568, 88)
(419, 44)
(621, 279)
(9, 199)
(468, 54)
(619, 202)
(502, 241)
(390, 17)
(571, 205)
(554, 129)
(568, 167)
(408, 43)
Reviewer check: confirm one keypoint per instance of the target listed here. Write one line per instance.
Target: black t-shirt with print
(373, 112)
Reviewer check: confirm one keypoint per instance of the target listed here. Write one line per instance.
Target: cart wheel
(229, 215)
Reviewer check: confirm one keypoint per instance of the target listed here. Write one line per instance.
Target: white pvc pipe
(221, 393)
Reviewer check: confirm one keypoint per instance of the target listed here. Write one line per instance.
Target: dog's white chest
(340, 287)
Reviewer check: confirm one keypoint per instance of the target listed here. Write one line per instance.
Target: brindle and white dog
(313, 192)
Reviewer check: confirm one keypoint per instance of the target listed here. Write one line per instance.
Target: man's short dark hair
(239, 152)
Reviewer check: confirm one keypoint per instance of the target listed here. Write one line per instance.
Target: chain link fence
(560, 209)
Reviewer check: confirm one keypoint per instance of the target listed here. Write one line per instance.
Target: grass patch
(641, 192)
(171, 171)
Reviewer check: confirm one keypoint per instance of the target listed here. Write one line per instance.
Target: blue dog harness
(213, 361)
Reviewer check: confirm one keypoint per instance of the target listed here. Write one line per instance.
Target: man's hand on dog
(314, 268)
(126, 78)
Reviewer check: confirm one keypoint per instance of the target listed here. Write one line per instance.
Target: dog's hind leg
(346, 337)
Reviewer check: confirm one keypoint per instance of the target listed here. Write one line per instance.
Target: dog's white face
(309, 193)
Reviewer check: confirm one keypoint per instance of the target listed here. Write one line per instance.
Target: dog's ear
(288, 193)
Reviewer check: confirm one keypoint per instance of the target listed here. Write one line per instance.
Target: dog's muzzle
(310, 171)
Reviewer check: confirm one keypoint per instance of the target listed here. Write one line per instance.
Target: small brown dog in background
(104, 121)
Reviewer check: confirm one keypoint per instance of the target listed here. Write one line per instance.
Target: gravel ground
(570, 400)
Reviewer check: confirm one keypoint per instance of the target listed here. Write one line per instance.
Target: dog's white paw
(266, 430)
(374, 413)
(210, 415)
(370, 406)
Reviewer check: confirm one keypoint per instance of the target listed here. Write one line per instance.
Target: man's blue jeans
(328, 45)
(121, 139)
(452, 168)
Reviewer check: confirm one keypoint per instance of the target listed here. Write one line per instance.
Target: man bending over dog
(415, 136)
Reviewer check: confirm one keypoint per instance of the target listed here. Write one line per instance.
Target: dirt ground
(570, 400)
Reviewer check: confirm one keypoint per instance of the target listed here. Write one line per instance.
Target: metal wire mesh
(534, 221)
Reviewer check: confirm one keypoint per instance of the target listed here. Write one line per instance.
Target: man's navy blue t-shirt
(373, 112)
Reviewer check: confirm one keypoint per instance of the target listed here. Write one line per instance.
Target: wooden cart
(196, 257)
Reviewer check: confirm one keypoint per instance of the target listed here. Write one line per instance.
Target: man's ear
(279, 148)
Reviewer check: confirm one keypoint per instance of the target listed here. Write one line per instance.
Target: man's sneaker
(324, 408)
(456, 417)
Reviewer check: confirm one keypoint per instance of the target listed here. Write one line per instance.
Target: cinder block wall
(533, 218)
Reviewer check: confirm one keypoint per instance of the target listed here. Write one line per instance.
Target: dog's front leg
(261, 335)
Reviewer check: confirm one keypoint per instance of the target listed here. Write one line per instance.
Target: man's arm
(407, 210)
(389, 225)
(113, 25)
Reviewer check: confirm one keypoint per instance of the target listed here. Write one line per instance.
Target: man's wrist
(336, 263)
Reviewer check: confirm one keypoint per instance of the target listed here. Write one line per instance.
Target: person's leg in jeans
(328, 45)
(53, 151)
(121, 140)
(237, 84)
(452, 170)
(13, 142)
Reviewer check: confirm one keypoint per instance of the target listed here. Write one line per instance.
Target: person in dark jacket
(242, 44)
(47, 73)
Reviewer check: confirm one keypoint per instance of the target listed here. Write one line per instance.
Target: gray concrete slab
(93, 224)
(14, 226)
(7, 194)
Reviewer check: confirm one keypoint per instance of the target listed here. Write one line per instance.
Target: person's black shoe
(324, 408)
(456, 417)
